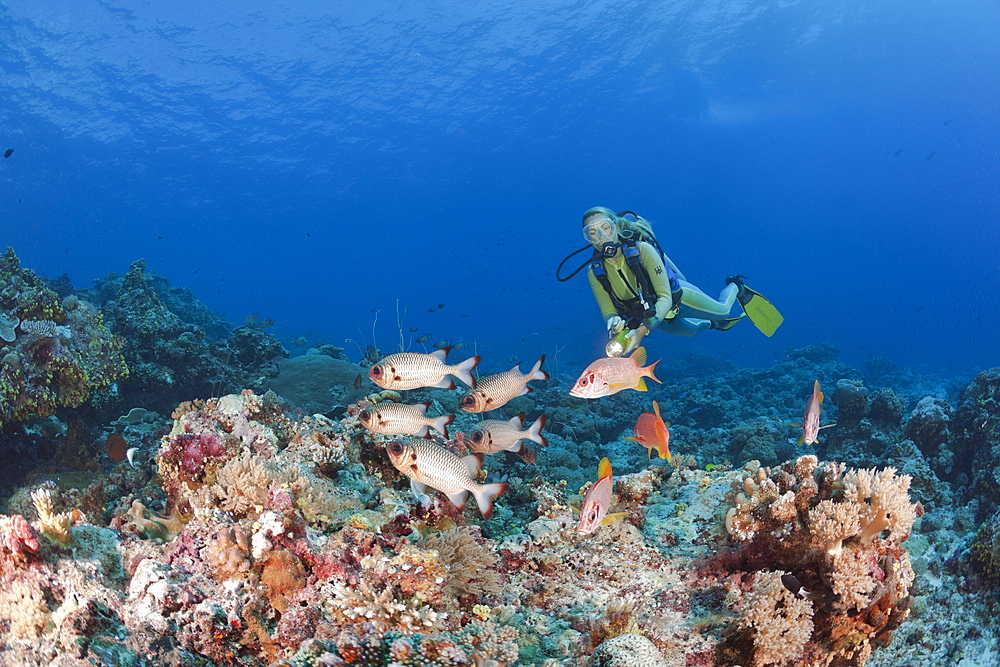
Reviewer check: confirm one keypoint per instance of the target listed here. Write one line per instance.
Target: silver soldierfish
(594, 512)
(610, 375)
(411, 370)
(491, 436)
(495, 390)
(431, 465)
(810, 418)
(391, 418)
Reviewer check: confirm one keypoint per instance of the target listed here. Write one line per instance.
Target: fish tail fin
(664, 452)
(536, 372)
(463, 371)
(485, 495)
(648, 371)
(441, 424)
(535, 431)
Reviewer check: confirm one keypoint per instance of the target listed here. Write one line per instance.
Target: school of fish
(433, 467)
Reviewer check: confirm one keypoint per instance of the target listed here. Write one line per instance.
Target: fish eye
(376, 371)
(593, 515)
(477, 437)
(365, 416)
(396, 447)
(468, 400)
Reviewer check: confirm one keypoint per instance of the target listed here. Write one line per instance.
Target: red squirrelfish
(653, 433)
(495, 390)
(810, 418)
(411, 370)
(610, 375)
(391, 418)
(429, 465)
(594, 512)
(491, 436)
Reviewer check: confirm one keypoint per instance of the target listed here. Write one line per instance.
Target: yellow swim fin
(760, 311)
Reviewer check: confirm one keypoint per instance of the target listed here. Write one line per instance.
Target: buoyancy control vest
(642, 305)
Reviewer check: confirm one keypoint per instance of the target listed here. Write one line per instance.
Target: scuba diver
(639, 289)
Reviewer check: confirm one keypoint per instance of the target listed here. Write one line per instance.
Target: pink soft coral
(18, 540)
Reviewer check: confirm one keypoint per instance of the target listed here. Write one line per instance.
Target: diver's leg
(697, 300)
(684, 326)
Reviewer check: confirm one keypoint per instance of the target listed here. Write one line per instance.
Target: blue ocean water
(321, 164)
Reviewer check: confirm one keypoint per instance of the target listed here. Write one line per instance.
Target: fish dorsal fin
(517, 421)
(818, 392)
(473, 462)
(656, 410)
(442, 354)
(604, 468)
(639, 356)
(422, 407)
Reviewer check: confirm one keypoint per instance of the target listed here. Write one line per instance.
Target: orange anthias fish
(610, 375)
(653, 433)
(594, 512)
(810, 418)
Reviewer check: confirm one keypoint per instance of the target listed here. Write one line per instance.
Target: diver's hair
(600, 210)
(639, 227)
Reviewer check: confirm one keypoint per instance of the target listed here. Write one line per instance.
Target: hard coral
(55, 357)
(841, 531)
(780, 621)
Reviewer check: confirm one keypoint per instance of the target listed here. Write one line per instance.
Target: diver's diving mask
(600, 231)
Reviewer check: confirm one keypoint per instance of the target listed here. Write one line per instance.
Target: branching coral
(385, 608)
(842, 532)
(781, 622)
(55, 526)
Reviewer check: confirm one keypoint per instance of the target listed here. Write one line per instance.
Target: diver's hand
(634, 338)
(615, 324)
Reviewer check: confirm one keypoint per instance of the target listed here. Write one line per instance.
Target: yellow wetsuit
(625, 285)
(697, 309)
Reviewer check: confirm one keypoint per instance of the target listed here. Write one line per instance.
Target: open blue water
(316, 162)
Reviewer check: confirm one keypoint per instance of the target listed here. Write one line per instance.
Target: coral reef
(56, 352)
(839, 532)
(245, 532)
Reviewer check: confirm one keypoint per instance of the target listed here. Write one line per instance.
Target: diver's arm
(601, 296)
(658, 277)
